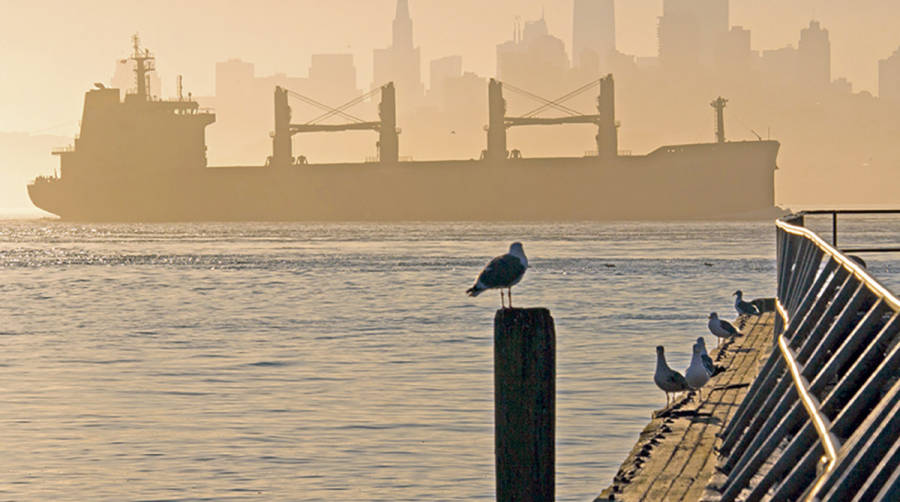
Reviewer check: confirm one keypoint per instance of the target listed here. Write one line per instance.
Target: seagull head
(516, 250)
(701, 342)
(660, 350)
(713, 315)
(737, 293)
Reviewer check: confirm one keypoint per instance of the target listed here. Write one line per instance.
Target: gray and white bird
(503, 272)
(666, 378)
(707, 361)
(720, 328)
(696, 374)
(743, 307)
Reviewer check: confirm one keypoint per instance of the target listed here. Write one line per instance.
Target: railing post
(840, 396)
(524, 404)
(834, 229)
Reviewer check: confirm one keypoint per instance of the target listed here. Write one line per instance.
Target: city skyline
(433, 21)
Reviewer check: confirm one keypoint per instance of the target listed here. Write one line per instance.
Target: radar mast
(144, 63)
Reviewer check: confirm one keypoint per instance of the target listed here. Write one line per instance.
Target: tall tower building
(889, 77)
(403, 26)
(814, 56)
(593, 34)
(400, 63)
(533, 59)
(690, 32)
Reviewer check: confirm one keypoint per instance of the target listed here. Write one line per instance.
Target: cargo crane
(388, 134)
(605, 120)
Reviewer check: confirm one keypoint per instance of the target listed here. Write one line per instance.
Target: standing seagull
(666, 378)
(696, 374)
(502, 272)
(720, 328)
(743, 307)
(707, 361)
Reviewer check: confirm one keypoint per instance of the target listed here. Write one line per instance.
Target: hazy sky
(52, 51)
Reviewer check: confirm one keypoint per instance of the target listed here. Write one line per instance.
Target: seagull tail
(474, 291)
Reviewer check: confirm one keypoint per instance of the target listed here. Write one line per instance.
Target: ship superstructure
(139, 133)
(144, 159)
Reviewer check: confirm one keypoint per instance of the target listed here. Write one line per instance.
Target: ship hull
(703, 181)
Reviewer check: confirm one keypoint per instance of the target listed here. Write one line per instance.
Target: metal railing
(822, 419)
(799, 219)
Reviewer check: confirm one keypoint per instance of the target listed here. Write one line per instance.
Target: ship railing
(822, 419)
(62, 149)
(596, 153)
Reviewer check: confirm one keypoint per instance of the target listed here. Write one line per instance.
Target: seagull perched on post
(720, 328)
(502, 272)
(666, 378)
(743, 307)
(696, 375)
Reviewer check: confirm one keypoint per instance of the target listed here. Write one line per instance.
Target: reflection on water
(333, 362)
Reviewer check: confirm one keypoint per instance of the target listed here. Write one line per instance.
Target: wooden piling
(524, 404)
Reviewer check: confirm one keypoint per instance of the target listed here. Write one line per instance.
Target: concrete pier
(675, 455)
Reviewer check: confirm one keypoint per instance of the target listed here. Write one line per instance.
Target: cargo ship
(142, 159)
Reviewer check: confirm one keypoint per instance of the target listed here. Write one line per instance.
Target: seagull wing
(727, 326)
(502, 271)
(678, 380)
(708, 364)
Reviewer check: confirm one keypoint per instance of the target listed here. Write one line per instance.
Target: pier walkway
(815, 417)
(675, 455)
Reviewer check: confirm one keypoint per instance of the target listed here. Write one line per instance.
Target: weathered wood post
(525, 404)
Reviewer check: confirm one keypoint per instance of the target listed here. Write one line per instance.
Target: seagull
(707, 361)
(743, 307)
(720, 328)
(502, 272)
(666, 378)
(696, 374)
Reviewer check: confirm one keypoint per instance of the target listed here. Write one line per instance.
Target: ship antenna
(180, 90)
(719, 105)
(143, 65)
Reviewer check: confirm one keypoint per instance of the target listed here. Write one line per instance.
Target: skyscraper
(889, 77)
(814, 56)
(442, 70)
(593, 34)
(690, 31)
(400, 63)
(533, 59)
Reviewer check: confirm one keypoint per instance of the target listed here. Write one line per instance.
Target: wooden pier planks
(675, 456)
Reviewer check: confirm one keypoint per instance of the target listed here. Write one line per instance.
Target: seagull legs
(502, 302)
(509, 294)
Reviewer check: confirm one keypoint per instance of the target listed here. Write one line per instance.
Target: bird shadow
(732, 386)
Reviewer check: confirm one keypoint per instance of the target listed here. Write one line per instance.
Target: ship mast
(719, 105)
(143, 65)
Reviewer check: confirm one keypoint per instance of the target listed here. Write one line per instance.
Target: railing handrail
(819, 423)
(854, 268)
(812, 410)
(822, 410)
(834, 225)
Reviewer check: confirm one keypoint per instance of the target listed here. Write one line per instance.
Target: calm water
(338, 362)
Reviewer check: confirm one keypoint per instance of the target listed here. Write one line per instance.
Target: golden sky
(52, 51)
